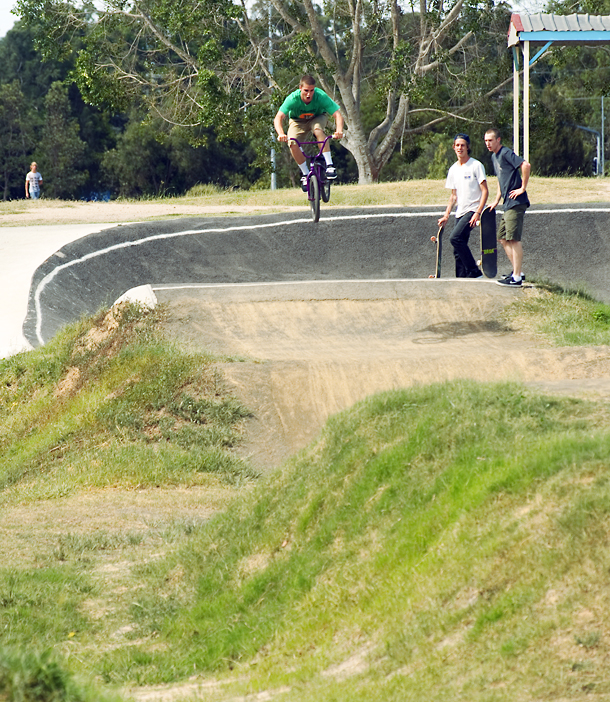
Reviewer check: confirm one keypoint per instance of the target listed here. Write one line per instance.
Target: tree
(21, 62)
(15, 139)
(150, 160)
(61, 147)
(200, 62)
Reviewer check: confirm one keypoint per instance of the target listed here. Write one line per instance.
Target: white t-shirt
(465, 180)
(34, 179)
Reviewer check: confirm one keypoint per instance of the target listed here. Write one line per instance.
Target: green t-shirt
(294, 108)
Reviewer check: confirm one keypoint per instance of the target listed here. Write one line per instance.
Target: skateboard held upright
(438, 240)
(489, 244)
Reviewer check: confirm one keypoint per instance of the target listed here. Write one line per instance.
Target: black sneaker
(510, 281)
(331, 173)
(304, 183)
(510, 275)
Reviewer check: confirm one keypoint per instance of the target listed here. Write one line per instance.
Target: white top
(466, 180)
(34, 179)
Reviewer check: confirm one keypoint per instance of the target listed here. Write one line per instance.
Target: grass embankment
(440, 543)
(210, 199)
(562, 317)
(407, 193)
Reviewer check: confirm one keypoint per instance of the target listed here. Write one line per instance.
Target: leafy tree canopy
(209, 62)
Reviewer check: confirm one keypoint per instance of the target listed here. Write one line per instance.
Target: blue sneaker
(331, 173)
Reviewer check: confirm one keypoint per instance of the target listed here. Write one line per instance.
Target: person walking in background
(468, 184)
(307, 109)
(33, 181)
(511, 186)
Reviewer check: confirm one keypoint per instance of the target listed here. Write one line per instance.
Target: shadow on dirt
(445, 331)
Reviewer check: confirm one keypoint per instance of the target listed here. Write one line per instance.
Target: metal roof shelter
(546, 29)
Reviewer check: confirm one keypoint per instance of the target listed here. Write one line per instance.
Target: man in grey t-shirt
(511, 187)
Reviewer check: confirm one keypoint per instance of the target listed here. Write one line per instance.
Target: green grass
(376, 537)
(563, 317)
(32, 677)
(131, 410)
(441, 543)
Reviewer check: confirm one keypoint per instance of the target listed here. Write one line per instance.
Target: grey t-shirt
(506, 165)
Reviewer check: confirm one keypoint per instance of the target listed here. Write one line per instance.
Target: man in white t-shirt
(33, 181)
(468, 184)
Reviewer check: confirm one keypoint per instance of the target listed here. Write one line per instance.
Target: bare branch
(288, 18)
(328, 55)
(457, 47)
(164, 40)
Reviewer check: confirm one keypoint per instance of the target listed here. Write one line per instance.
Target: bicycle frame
(317, 164)
(317, 182)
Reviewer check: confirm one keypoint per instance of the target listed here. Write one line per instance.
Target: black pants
(465, 265)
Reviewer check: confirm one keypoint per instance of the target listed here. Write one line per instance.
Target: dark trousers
(465, 265)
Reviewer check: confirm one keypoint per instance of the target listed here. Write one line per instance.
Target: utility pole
(603, 159)
(273, 174)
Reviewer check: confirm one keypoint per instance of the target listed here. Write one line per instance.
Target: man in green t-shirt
(307, 109)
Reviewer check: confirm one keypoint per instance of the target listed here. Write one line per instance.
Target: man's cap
(465, 137)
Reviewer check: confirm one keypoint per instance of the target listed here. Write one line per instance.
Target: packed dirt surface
(302, 352)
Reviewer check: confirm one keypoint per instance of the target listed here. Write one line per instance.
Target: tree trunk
(357, 145)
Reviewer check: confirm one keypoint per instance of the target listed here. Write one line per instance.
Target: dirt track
(313, 348)
(307, 351)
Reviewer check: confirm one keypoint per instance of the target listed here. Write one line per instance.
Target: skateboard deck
(438, 240)
(489, 244)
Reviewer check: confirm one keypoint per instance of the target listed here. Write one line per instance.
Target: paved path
(22, 251)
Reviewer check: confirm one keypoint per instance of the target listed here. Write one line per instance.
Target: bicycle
(317, 183)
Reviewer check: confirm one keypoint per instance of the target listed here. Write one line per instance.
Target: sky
(6, 19)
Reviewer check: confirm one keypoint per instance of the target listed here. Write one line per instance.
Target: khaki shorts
(511, 224)
(300, 129)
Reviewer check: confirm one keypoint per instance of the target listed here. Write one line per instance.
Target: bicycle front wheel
(314, 197)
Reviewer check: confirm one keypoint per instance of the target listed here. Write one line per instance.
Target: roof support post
(603, 145)
(526, 100)
(516, 98)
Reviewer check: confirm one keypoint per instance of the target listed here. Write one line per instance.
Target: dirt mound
(307, 351)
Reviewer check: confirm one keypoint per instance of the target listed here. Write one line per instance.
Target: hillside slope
(442, 542)
(437, 543)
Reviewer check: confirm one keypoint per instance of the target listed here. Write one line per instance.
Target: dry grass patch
(210, 200)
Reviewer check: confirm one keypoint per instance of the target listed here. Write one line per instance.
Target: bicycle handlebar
(304, 143)
(301, 144)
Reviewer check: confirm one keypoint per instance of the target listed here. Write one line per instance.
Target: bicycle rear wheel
(314, 197)
(325, 191)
